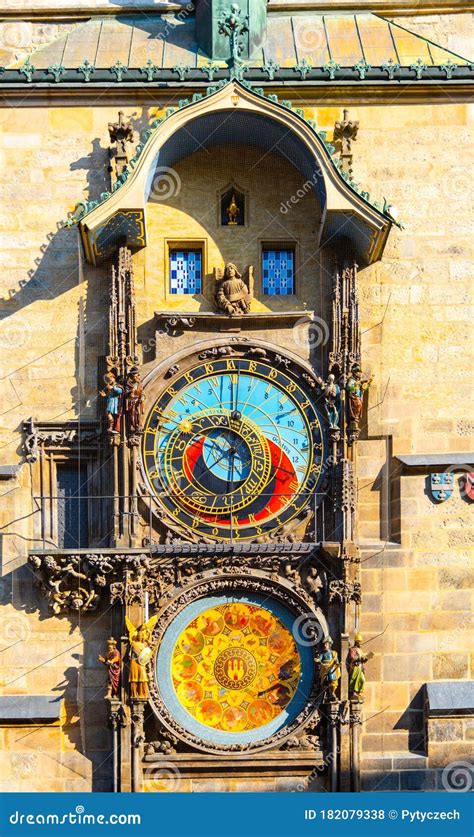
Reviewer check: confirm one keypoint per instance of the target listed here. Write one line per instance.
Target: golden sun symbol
(185, 426)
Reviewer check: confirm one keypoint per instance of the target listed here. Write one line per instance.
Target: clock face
(233, 448)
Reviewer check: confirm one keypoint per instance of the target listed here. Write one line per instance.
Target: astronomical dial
(233, 449)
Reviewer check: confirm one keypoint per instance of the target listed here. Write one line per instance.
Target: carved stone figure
(332, 400)
(355, 666)
(113, 661)
(134, 400)
(356, 387)
(113, 393)
(232, 295)
(314, 583)
(345, 133)
(121, 134)
(141, 653)
(329, 669)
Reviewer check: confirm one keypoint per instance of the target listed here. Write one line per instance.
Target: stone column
(137, 707)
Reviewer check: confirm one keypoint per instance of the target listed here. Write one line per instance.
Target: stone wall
(416, 325)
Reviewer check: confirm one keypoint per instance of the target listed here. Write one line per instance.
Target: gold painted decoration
(235, 667)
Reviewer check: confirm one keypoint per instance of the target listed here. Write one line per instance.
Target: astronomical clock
(233, 478)
(233, 449)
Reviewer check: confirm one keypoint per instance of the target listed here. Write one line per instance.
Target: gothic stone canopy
(234, 113)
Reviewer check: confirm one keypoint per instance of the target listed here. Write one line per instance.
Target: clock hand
(236, 415)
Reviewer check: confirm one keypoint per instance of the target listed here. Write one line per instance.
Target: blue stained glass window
(186, 271)
(278, 272)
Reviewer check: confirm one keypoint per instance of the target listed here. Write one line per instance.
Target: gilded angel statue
(141, 652)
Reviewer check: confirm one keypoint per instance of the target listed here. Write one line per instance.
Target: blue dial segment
(234, 448)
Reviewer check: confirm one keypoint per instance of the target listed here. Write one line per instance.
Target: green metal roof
(169, 40)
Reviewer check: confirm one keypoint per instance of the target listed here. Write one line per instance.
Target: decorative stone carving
(232, 295)
(73, 582)
(137, 714)
(345, 591)
(345, 133)
(39, 436)
(137, 582)
(308, 739)
(116, 717)
(345, 499)
(121, 135)
(345, 347)
(165, 744)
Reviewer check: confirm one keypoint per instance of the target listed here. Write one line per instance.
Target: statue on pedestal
(141, 653)
(113, 393)
(134, 400)
(355, 666)
(113, 661)
(356, 388)
(332, 403)
(232, 295)
(329, 669)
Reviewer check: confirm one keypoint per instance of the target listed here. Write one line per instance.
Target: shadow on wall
(413, 721)
(32, 662)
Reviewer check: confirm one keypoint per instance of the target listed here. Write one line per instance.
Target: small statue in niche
(355, 666)
(141, 653)
(329, 669)
(332, 400)
(232, 212)
(134, 400)
(232, 295)
(113, 393)
(113, 661)
(356, 387)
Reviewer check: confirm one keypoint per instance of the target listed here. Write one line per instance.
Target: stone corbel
(73, 582)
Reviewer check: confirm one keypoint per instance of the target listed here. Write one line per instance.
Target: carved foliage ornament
(73, 582)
